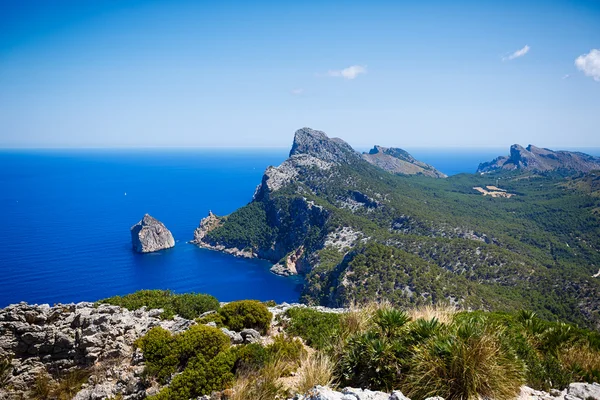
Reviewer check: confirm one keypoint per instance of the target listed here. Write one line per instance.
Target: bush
(191, 305)
(253, 314)
(317, 328)
(188, 305)
(286, 349)
(214, 317)
(391, 321)
(370, 360)
(202, 340)
(251, 357)
(165, 354)
(162, 358)
(200, 377)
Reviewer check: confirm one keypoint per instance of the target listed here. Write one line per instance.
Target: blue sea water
(66, 216)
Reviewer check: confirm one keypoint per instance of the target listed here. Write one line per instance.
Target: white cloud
(517, 54)
(297, 92)
(348, 73)
(567, 76)
(589, 64)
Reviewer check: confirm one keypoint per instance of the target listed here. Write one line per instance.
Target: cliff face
(317, 144)
(539, 159)
(293, 223)
(289, 223)
(398, 161)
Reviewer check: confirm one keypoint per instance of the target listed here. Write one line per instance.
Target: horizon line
(223, 147)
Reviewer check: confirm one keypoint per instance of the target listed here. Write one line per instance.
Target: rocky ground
(59, 340)
(55, 341)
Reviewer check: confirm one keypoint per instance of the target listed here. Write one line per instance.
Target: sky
(123, 73)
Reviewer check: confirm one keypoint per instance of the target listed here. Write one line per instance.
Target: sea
(66, 216)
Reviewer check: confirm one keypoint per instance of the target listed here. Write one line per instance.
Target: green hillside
(359, 233)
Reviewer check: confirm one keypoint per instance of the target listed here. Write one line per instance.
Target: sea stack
(150, 235)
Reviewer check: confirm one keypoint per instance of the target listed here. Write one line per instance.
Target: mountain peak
(318, 144)
(399, 161)
(539, 159)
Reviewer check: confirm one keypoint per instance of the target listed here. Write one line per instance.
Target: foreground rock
(325, 393)
(55, 340)
(150, 235)
(398, 161)
(538, 159)
(575, 391)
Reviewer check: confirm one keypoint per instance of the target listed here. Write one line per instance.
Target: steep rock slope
(398, 161)
(358, 233)
(538, 159)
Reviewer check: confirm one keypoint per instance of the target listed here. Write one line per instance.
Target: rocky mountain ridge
(539, 159)
(328, 214)
(398, 161)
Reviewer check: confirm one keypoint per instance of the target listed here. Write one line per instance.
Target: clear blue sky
(192, 73)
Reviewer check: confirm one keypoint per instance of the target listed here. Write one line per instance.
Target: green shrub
(200, 377)
(166, 354)
(191, 305)
(288, 351)
(391, 321)
(188, 305)
(238, 315)
(214, 317)
(160, 352)
(317, 328)
(202, 340)
(251, 357)
(372, 361)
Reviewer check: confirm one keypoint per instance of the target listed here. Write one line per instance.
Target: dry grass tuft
(262, 385)
(359, 318)
(468, 362)
(316, 368)
(444, 313)
(580, 357)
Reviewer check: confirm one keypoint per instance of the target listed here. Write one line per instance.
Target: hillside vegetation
(424, 352)
(359, 233)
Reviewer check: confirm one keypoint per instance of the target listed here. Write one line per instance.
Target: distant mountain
(358, 233)
(398, 161)
(538, 159)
